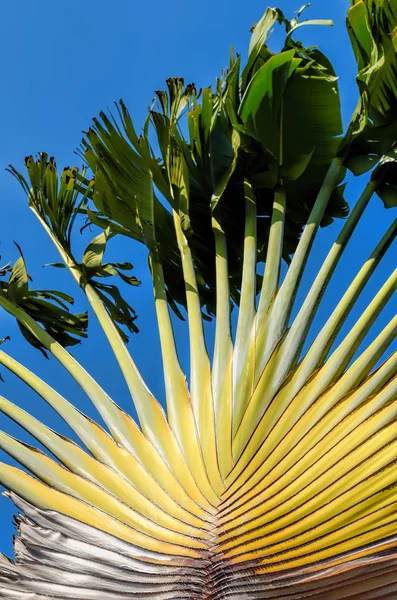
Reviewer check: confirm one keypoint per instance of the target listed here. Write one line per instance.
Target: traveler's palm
(272, 473)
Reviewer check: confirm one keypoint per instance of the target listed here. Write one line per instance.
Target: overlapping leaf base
(311, 517)
(60, 557)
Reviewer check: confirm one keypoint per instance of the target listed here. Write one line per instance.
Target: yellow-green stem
(200, 371)
(244, 348)
(271, 275)
(281, 309)
(151, 415)
(223, 354)
(179, 409)
(293, 343)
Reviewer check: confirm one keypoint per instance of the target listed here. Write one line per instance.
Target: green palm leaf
(372, 25)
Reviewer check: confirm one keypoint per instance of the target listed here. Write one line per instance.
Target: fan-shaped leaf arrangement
(272, 473)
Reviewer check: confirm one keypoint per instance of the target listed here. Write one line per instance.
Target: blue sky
(63, 62)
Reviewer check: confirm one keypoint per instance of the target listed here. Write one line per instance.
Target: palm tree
(272, 473)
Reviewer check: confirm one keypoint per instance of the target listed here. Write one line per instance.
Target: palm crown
(271, 474)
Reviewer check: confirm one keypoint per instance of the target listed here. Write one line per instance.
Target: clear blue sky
(62, 62)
